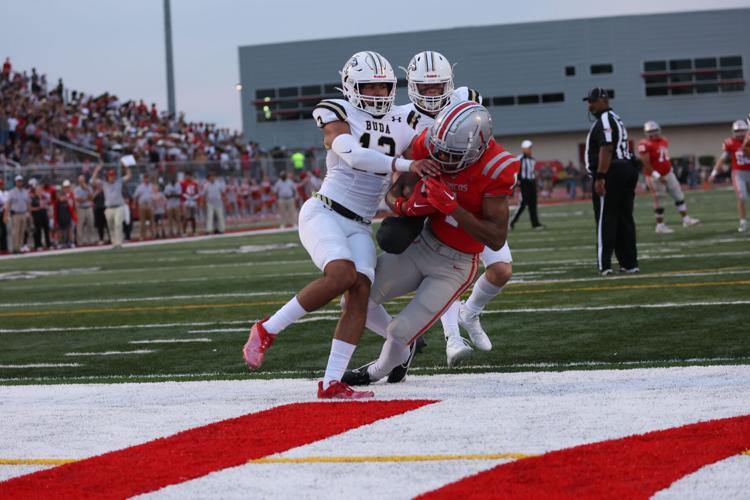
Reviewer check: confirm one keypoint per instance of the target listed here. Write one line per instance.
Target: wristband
(400, 165)
(600, 175)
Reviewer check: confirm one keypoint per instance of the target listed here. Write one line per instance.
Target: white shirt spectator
(212, 193)
(143, 194)
(285, 189)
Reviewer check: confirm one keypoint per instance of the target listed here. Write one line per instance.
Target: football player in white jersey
(365, 140)
(431, 89)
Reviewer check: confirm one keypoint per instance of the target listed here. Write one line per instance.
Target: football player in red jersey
(657, 168)
(734, 151)
(467, 209)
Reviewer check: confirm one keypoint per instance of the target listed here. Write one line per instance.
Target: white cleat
(663, 229)
(688, 221)
(743, 227)
(472, 325)
(457, 349)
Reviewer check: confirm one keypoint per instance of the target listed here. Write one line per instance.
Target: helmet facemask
(452, 160)
(431, 103)
(375, 105)
(739, 129)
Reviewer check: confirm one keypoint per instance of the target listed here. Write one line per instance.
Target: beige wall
(696, 140)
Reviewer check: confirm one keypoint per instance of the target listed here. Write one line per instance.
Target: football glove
(440, 196)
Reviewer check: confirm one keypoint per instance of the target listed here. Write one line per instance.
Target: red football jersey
(494, 174)
(658, 152)
(733, 147)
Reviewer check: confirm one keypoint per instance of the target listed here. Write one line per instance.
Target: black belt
(13, 212)
(341, 209)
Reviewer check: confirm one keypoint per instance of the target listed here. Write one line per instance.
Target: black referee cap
(596, 93)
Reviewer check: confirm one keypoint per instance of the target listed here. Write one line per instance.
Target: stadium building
(685, 70)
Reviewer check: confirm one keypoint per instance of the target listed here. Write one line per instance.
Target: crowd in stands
(39, 216)
(33, 114)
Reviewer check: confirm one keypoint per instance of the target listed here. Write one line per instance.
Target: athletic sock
(288, 314)
(449, 319)
(393, 354)
(378, 319)
(338, 360)
(483, 292)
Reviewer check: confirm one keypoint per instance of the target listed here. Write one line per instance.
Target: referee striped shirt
(607, 130)
(528, 164)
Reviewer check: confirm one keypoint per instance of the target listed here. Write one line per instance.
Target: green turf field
(557, 314)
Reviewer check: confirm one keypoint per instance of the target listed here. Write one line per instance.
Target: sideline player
(467, 207)
(364, 139)
(733, 150)
(657, 168)
(431, 88)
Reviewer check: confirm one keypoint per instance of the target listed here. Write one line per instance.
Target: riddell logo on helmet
(431, 75)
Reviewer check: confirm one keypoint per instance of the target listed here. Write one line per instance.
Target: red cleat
(256, 346)
(338, 390)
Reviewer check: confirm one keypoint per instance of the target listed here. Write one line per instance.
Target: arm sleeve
(369, 160)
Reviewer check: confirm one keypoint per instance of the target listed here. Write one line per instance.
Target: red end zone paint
(632, 467)
(196, 452)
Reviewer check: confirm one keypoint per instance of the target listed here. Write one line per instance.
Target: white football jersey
(358, 190)
(420, 121)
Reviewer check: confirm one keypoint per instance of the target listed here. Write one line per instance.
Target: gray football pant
(439, 275)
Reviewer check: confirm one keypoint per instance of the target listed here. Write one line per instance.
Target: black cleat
(399, 373)
(357, 376)
(421, 344)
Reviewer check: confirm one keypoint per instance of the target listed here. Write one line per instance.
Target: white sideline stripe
(144, 299)
(188, 239)
(158, 376)
(170, 341)
(120, 327)
(43, 365)
(666, 305)
(625, 276)
(590, 262)
(110, 353)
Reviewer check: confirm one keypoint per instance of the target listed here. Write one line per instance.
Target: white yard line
(666, 305)
(170, 341)
(43, 365)
(110, 353)
(235, 330)
(145, 299)
(686, 274)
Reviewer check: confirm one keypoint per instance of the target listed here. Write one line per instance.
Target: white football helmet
(368, 67)
(429, 68)
(651, 129)
(459, 135)
(739, 128)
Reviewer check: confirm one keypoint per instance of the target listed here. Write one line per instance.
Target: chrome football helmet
(368, 67)
(430, 68)
(739, 128)
(651, 129)
(459, 135)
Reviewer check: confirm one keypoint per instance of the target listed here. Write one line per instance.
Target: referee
(609, 161)
(527, 176)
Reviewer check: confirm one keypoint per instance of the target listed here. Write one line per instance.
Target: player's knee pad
(402, 329)
(396, 233)
(659, 211)
(680, 204)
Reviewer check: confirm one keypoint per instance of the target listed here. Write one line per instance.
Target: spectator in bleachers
(84, 195)
(39, 206)
(190, 197)
(65, 216)
(100, 221)
(214, 197)
(3, 226)
(159, 203)
(286, 194)
(173, 194)
(114, 202)
(143, 197)
(16, 212)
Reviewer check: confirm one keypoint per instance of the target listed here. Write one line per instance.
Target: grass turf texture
(179, 283)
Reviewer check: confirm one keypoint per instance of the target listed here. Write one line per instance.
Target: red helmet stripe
(452, 115)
